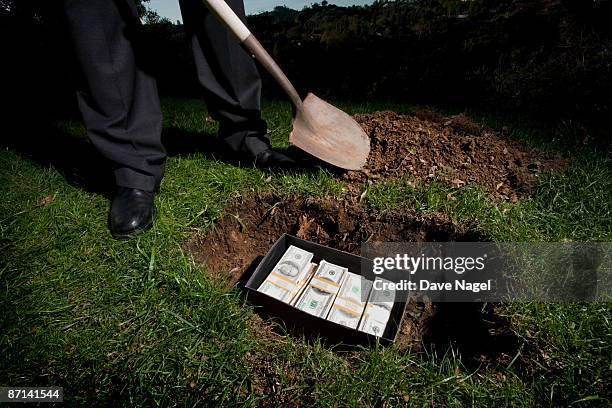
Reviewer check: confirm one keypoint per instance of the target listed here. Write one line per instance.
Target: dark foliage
(549, 58)
(37, 69)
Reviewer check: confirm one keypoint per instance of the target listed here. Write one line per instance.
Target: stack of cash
(350, 301)
(289, 276)
(377, 311)
(320, 293)
(330, 292)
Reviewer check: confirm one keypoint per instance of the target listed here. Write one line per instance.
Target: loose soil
(252, 224)
(456, 151)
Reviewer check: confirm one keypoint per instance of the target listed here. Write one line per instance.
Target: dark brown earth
(253, 223)
(456, 151)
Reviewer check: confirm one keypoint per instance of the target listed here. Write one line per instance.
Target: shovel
(319, 128)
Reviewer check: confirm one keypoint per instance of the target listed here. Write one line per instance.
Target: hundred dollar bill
(302, 283)
(344, 317)
(289, 275)
(355, 288)
(378, 309)
(327, 271)
(381, 295)
(322, 289)
(374, 320)
(315, 301)
(350, 301)
(282, 290)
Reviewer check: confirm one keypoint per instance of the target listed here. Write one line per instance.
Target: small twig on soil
(242, 224)
(270, 211)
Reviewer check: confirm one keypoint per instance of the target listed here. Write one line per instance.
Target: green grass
(575, 205)
(138, 323)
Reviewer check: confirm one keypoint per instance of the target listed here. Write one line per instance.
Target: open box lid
(293, 317)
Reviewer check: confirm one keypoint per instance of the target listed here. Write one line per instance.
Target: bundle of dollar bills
(350, 301)
(330, 292)
(289, 276)
(320, 293)
(378, 310)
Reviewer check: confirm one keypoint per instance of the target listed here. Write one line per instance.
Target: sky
(170, 8)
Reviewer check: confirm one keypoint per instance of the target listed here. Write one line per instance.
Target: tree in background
(550, 58)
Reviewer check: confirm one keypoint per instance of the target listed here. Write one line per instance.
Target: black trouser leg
(118, 101)
(232, 86)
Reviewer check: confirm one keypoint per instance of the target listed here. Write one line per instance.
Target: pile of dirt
(456, 151)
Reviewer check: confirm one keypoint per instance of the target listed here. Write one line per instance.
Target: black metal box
(293, 317)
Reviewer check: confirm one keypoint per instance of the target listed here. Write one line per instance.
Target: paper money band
(356, 303)
(367, 310)
(349, 304)
(281, 277)
(281, 282)
(345, 310)
(383, 305)
(371, 306)
(324, 285)
(278, 286)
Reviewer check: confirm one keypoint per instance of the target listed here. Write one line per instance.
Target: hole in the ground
(478, 331)
(253, 223)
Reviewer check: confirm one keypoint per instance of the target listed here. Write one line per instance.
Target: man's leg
(231, 82)
(118, 100)
(119, 105)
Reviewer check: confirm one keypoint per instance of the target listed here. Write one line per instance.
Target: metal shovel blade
(318, 128)
(330, 134)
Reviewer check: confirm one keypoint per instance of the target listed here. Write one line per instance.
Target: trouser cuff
(126, 177)
(248, 142)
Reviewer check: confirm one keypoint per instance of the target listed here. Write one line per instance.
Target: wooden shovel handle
(261, 55)
(250, 43)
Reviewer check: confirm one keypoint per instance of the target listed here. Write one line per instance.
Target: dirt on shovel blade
(455, 151)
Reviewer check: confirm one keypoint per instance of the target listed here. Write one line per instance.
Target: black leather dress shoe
(132, 213)
(257, 148)
(271, 158)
